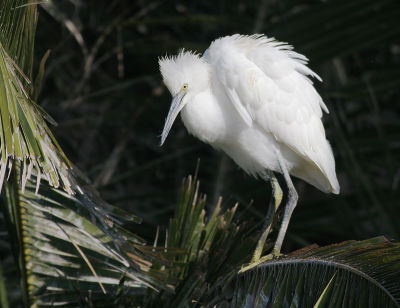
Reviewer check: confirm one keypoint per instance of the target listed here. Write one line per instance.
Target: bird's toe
(271, 256)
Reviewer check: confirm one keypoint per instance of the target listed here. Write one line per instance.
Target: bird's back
(266, 83)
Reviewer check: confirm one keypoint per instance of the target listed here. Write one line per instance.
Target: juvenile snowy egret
(251, 97)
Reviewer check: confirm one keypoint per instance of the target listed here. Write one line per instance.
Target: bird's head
(185, 75)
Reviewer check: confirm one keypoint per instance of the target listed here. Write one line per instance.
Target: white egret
(251, 97)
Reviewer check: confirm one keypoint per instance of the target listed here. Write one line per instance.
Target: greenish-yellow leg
(290, 205)
(272, 208)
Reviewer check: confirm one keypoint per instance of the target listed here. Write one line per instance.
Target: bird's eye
(185, 87)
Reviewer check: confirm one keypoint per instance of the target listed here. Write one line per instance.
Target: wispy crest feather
(181, 68)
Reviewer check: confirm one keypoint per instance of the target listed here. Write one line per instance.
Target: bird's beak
(176, 107)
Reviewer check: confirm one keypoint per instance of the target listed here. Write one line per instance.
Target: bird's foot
(271, 256)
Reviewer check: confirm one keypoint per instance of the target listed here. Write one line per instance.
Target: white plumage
(251, 97)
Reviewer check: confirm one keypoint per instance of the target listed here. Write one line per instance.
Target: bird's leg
(272, 208)
(290, 205)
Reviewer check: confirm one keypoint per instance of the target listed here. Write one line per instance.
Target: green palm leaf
(25, 135)
(349, 274)
(66, 257)
(69, 243)
(208, 245)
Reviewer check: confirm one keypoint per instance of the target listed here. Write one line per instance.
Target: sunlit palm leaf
(25, 135)
(213, 248)
(67, 257)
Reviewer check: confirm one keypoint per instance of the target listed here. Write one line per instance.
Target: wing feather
(268, 85)
(237, 103)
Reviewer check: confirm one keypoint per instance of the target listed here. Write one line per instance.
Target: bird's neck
(203, 118)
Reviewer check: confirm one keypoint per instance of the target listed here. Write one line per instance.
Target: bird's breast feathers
(204, 118)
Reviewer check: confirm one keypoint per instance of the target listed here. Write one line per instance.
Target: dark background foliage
(103, 87)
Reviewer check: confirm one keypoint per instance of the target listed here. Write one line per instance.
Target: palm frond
(349, 274)
(25, 135)
(213, 247)
(68, 259)
(66, 240)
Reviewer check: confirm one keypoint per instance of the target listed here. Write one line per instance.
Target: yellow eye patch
(185, 87)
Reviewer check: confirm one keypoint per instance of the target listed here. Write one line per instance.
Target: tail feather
(318, 169)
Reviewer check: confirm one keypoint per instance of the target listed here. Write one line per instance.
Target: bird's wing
(268, 85)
